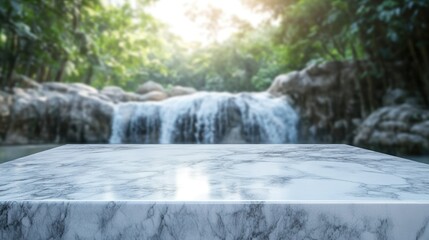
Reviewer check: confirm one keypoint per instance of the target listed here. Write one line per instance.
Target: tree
(381, 33)
(88, 41)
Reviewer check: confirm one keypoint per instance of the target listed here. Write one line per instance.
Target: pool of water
(8, 153)
(422, 159)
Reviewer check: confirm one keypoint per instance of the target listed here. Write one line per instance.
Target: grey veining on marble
(205, 220)
(213, 173)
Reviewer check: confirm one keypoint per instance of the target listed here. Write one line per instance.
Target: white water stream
(206, 117)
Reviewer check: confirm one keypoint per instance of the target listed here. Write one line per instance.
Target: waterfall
(206, 117)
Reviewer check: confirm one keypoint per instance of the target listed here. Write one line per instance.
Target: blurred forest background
(101, 43)
(354, 72)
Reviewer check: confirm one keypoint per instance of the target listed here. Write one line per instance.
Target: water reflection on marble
(191, 184)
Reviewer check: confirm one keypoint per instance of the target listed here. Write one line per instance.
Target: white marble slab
(213, 192)
(213, 172)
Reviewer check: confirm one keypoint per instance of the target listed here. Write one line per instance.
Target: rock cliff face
(403, 128)
(329, 101)
(55, 113)
(326, 99)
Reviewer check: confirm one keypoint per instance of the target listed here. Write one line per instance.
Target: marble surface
(296, 192)
(214, 173)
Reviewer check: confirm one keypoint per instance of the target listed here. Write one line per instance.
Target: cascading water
(206, 117)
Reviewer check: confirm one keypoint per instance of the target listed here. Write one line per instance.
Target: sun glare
(185, 18)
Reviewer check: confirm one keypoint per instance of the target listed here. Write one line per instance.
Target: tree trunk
(89, 75)
(47, 76)
(419, 68)
(60, 72)
(357, 82)
(12, 60)
(41, 73)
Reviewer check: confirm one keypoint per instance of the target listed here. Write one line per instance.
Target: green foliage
(104, 44)
(382, 33)
(246, 62)
(121, 46)
(77, 40)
